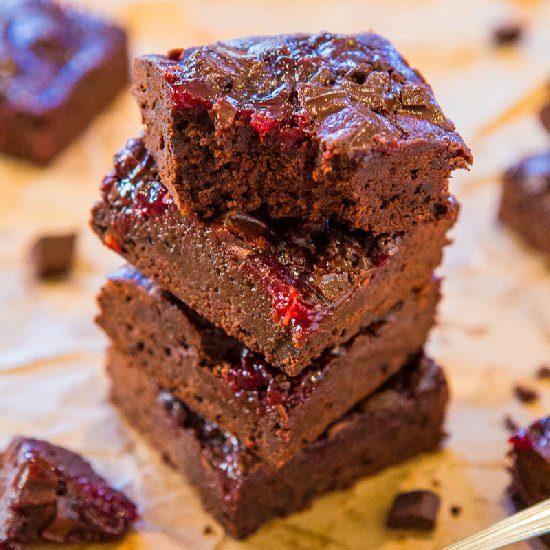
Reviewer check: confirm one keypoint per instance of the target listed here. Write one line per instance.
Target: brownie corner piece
(525, 201)
(310, 126)
(51, 494)
(59, 68)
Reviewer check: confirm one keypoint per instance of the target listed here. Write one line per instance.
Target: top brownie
(59, 68)
(315, 127)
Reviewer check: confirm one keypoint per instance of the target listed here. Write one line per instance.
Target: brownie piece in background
(525, 203)
(311, 126)
(224, 382)
(399, 421)
(531, 466)
(285, 288)
(414, 510)
(51, 494)
(59, 68)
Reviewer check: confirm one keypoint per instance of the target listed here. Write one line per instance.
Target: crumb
(543, 372)
(506, 33)
(436, 483)
(509, 424)
(455, 510)
(53, 255)
(525, 394)
(208, 530)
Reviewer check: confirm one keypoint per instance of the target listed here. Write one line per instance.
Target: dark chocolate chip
(455, 510)
(53, 255)
(506, 33)
(414, 510)
(525, 394)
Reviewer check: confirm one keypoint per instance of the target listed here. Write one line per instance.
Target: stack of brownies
(283, 216)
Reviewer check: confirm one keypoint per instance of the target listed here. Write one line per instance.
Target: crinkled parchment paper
(494, 323)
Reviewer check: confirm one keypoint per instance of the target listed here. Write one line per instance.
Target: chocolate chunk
(455, 510)
(52, 494)
(525, 394)
(543, 373)
(414, 510)
(53, 255)
(544, 116)
(506, 33)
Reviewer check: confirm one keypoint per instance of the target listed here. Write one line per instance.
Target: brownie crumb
(544, 116)
(525, 394)
(455, 510)
(508, 33)
(53, 255)
(543, 372)
(208, 530)
(414, 510)
(436, 483)
(510, 424)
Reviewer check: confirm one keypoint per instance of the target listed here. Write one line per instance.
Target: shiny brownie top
(305, 268)
(533, 174)
(535, 438)
(45, 49)
(354, 91)
(59, 496)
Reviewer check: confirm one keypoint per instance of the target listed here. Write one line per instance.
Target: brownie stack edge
(272, 358)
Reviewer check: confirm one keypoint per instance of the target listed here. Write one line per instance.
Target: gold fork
(527, 524)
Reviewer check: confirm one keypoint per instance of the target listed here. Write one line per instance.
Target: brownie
(224, 382)
(525, 203)
(242, 492)
(308, 126)
(51, 494)
(287, 289)
(531, 466)
(59, 68)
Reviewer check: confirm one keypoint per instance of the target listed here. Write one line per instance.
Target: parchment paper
(495, 320)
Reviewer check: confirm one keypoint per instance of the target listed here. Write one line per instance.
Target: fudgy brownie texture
(51, 494)
(243, 492)
(531, 466)
(224, 382)
(525, 204)
(287, 289)
(59, 68)
(315, 127)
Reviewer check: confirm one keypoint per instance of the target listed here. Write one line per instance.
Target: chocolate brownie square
(51, 494)
(525, 203)
(59, 68)
(285, 288)
(224, 382)
(316, 127)
(401, 420)
(531, 466)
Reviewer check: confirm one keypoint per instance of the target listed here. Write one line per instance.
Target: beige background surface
(495, 320)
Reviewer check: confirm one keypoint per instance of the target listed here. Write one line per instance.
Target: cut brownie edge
(400, 421)
(223, 381)
(371, 149)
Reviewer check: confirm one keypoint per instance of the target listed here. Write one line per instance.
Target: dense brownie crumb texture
(316, 127)
(59, 68)
(531, 465)
(50, 494)
(286, 288)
